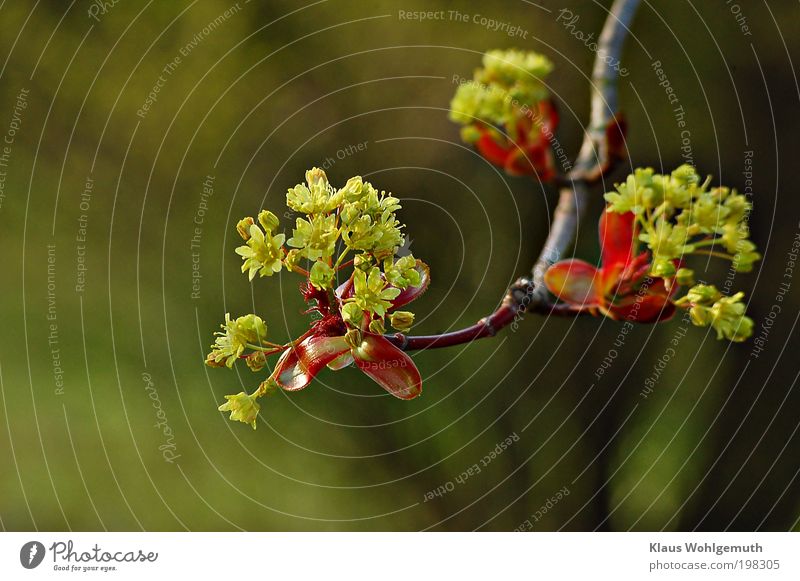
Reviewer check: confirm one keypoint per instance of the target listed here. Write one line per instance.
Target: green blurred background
(274, 88)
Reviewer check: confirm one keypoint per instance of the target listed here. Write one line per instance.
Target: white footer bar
(389, 556)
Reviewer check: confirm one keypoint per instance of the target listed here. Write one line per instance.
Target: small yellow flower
(371, 293)
(321, 275)
(243, 407)
(315, 238)
(262, 254)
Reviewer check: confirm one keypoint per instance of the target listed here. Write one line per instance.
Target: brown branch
(529, 295)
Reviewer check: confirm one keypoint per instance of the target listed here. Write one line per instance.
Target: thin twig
(529, 295)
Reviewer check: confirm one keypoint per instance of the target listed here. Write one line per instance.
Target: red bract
(373, 354)
(621, 288)
(526, 149)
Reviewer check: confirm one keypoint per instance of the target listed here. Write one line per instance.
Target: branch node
(402, 341)
(487, 324)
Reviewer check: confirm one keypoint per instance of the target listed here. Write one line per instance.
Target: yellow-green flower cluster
(316, 196)
(357, 214)
(315, 238)
(708, 306)
(355, 221)
(509, 83)
(402, 272)
(356, 218)
(369, 224)
(679, 215)
(234, 339)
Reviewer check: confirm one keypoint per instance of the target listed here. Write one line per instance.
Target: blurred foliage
(278, 87)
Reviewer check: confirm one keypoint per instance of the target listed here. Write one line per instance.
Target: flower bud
(376, 326)
(256, 360)
(243, 228)
(321, 275)
(214, 359)
(362, 261)
(470, 134)
(686, 175)
(291, 259)
(701, 316)
(353, 338)
(250, 328)
(685, 277)
(353, 189)
(316, 177)
(402, 320)
(729, 320)
(352, 315)
(703, 294)
(738, 207)
(268, 220)
(663, 268)
(267, 387)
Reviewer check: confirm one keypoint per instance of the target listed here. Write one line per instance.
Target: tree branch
(529, 295)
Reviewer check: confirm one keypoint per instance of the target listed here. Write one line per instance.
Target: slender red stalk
(487, 327)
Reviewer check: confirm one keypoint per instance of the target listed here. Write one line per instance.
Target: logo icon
(31, 554)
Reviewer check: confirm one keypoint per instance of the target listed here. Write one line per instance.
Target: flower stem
(341, 256)
(714, 253)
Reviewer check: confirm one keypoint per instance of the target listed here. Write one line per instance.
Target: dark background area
(278, 87)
